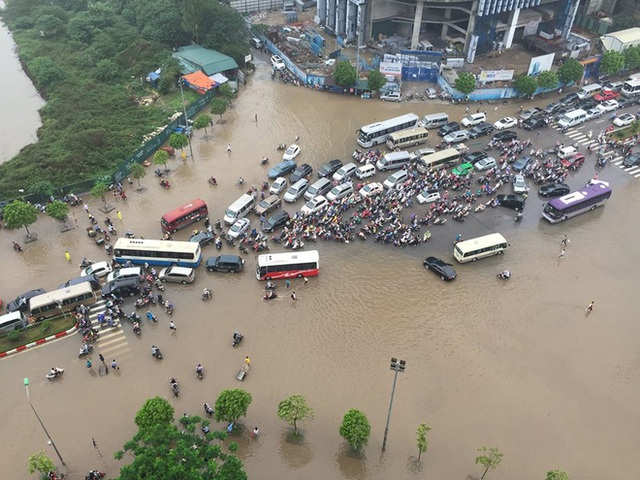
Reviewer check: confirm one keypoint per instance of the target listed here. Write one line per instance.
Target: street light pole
(186, 119)
(396, 366)
(26, 387)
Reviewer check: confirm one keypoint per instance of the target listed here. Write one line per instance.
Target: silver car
(519, 185)
(455, 137)
(340, 191)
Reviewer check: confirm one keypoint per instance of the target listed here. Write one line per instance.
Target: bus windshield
(288, 265)
(575, 203)
(184, 216)
(157, 252)
(377, 133)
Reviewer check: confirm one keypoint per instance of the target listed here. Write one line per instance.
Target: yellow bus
(407, 138)
(444, 158)
(480, 247)
(61, 301)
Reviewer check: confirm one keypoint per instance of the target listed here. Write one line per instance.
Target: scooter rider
(199, 370)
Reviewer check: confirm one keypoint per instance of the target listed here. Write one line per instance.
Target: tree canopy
(19, 214)
(39, 462)
(421, 439)
(557, 475)
(155, 411)
(355, 428)
(219, 106)
(547, 80)
(611, 63)
(293, 410)
(490, 458)
(231, 405)
(57, 210)
(526, 85)
(465, 83)
(345, 74)
(375, 80)
(570, 71)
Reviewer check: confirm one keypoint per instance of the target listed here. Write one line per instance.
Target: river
(19, 100)
(517, 365)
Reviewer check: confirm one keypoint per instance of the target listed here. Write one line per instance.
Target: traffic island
(36, 334)
(30, 237)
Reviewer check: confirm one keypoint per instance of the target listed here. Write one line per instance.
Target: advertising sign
(540, 64)
(496, 75)
(388, 68)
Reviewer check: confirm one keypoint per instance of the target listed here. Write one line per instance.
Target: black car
(631, 160)
(329, 168)
(224, 263)
(303, 171)
(444, 270)
(569, 99)
(535, 122)
(521, 163)
(513, 201)
(559, 113)
(624, 102)
(92, 279)
(22, 301)
(554, 190)
(203, 238)
(481, 130)
(277, 220)
(505, 136)
(121, 287)
(447, 128)
(473, 157)
(552, 107)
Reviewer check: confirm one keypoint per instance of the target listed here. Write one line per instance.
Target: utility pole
(26, 387)
(186, 119)
(396, 366)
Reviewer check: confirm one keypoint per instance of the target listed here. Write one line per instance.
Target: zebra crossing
(112, 342)
(583, 139)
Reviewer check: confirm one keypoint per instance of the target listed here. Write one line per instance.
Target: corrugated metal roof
(629, 35)
(195, 57)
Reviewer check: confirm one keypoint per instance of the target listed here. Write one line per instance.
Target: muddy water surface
(513, 364)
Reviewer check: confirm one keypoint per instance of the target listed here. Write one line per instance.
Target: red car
(606, 95)
(573, 162)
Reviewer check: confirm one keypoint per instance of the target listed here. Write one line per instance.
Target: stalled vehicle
(554, 190)
(443, 269)
(267, 205)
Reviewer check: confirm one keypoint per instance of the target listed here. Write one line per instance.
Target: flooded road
(19, 100)
(516, 365)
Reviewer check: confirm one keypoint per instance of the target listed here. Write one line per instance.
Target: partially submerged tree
(355, 428)
(99, 190)
(489, 458)
(218, 106)
(58, 210)
(231, 405)
(421, 439)
(160, 158)
(19, 214)
(39, 462)
(202, 121)
(137, 171)
(557, 475)
(293, 410)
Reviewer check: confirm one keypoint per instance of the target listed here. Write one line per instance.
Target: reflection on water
(352, 463)
(295, 450)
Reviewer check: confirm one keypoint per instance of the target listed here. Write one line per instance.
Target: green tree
(526, 85)
(58, 210)
(137, 171)
(465, 83)
(570, 71)
(612, 62)
(293, 410)
(547, 80)
(44, 189)
(355, 428)
(19, 214)
(376, 80)
(178, 140)
(231, 405)
(49, 26)
(45, 72)
(169, 74)
(218, 106)
(107, 70)
(39, 462)
(421, 438)
(227, 92)
(345, 74)
(160, 158)
(202, 121)
(557, 475)
(260, 28)
(155, 411)
(198, 18)
(632, 57)
(99, 190)
(489, 458)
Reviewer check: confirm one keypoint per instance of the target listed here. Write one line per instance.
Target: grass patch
(36, 332)
(172, 102)
(627, 132)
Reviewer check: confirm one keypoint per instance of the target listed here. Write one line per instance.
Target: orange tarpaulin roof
(199, 81)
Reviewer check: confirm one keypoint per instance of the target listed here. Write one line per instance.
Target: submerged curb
(37, 343)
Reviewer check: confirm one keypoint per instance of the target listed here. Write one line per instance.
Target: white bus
(61, 301)
(157, 252)
(407, 138)
(631, 88)
(378, 132)
(273, 266)
(480, 247)
(442, 159)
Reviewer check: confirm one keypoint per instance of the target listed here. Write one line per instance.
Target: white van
(345, 172)
(296, 190)
(125, 273)
(366, 171)
(12, 321)
(319, 187)
(589, 91)
(393, 161)
(573, 118)
(435, 120)
(239, 208)
(474, 119)
(395, 179)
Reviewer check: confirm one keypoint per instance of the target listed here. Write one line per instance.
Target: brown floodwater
(517, 364)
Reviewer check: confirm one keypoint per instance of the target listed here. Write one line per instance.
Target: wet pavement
(514, 364)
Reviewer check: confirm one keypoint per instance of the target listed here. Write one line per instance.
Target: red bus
(184, 216)
(272, 266)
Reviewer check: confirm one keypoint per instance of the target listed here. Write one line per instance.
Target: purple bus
(596, 193)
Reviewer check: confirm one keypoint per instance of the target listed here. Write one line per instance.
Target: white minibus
(480, 247)
(239, 208)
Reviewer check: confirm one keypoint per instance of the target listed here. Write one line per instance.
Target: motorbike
(270, 286)
(218, 244)
(212, 181)
(159, 285)
(270, 295)
(440, 221)
(17, 247)
(165, 184)
(505, 275)
(168, 307)
(94, 475)
(237, 339)
(175, 388)
(58, 373)
(156, 353)
(151, 317)
(141, 302)
(518, 217)
(85, 263)
(208, 410)
(129, 234)
(133, 317)
(264, 161)
(136, 329)
(206, 294)
(85, 350)
(282, 146)
(200, 372)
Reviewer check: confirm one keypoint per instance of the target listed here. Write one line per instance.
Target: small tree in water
(160, 158)
(355, 428)
(421, 438)
(376, 80)
(489, 458)
(58, 210)
(557, 475)
(293, 410)
(99, 190)
(137, 171)
(465, 83)
(218, 106)
(39, 462)
(202, 121)
(20, 214)
(345, 74)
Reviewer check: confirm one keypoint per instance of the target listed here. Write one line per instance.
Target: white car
(314, 205)
(506, 122)
(277, 62)
(485, 164)
(340, 191)
(566, 152)
(428, 196)
(431, 93)
(391, 97)
(292, 152)
(395, 179)
(624, 120)
(455, 137)
(371, 189)
(519, 185)
(607, 106)
(181, 275)
(99, 269)
(345, 172)
(278, 185)
(594, 112)
(239, 228)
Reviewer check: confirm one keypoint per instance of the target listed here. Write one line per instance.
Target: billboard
(540, 64)
(495, 76)
(388, 68)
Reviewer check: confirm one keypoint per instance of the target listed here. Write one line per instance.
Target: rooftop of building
(625, 36)
(197, 58)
